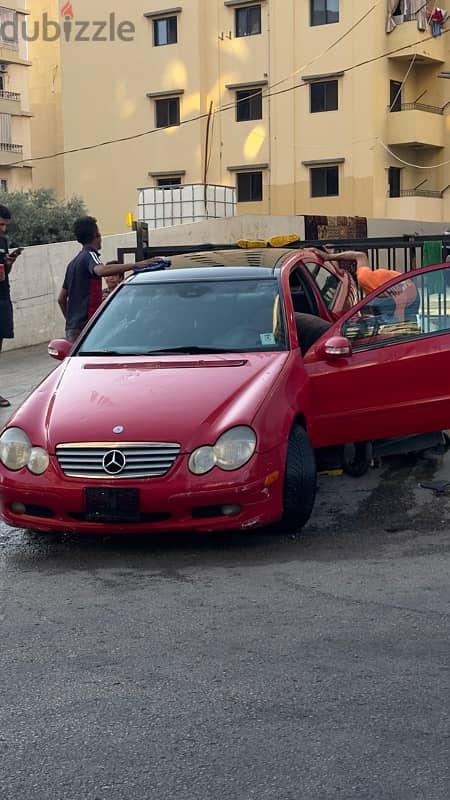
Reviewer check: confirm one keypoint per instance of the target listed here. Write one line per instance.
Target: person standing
(81, 293)
(6, 308)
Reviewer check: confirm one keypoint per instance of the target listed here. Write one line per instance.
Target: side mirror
(335, 348)
(59, 349)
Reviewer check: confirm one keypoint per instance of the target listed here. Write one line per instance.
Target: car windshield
(216, 316)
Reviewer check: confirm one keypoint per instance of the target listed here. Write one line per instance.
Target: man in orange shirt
(400, 302)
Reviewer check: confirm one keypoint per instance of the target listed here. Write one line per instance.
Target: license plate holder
(107, 504)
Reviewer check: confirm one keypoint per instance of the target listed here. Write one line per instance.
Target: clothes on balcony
(437, 20)
(408, 10)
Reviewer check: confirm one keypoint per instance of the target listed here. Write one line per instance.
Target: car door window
(416, 307)
(326, 282)
(303, 300)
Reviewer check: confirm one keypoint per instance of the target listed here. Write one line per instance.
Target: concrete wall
(38, 275)
(36, 280)
(227, 231)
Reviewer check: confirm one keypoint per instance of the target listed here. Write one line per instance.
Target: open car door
(383, 370)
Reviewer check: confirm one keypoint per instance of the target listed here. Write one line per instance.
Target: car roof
(218, 264)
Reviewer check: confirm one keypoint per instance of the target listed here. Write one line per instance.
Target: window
(323, 12)
(167, 182)
(415, 307)
(324, 96)
(3, 185)
(249, 187)
(248, 20)
(327, 283)
(5, 128)
(248, 105)
(324, 181)
(167, 112)
(395, 181)
(8, 28)
(165, 31)
(395, 96)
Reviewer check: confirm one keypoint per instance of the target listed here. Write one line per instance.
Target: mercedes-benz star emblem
(114, 462)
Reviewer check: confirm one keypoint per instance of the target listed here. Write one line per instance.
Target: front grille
(132, 460)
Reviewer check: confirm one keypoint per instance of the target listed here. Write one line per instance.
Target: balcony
(10, 103)
(407, 41)
(421, 207)
(416, 125)
(10, 153)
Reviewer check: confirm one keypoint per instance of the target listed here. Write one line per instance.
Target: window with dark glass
(248, 20)
(395, 181)
(249, 187)
(395, 95)
(324, 181)
(167, 112)
(324, 12)
(324, 96)
(165, 183)
(165, 31)
(248, 104)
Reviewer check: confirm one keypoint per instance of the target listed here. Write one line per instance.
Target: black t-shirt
(4, 285)
(84, 288)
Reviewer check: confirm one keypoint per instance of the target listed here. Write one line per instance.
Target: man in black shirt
(6, 262)
(81, 293)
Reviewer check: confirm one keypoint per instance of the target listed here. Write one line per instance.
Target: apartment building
(15, 141)
(322, 107)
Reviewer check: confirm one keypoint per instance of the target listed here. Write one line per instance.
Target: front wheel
(300, 481)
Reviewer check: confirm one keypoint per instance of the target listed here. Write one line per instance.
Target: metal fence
(403, 253)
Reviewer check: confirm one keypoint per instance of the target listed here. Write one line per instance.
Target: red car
(187, 404)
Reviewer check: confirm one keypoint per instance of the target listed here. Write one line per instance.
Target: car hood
(187, 400)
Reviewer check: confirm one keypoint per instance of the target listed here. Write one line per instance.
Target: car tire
(356, 459)
(300, 481)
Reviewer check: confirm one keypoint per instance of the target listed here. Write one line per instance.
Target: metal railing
(421, 193)
(416, 107)
(4, 95)
(7, 147)
(402, 253)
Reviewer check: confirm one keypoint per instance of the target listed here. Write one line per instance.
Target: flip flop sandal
(4, 403)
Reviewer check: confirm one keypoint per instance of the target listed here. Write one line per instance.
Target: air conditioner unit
(3, 67)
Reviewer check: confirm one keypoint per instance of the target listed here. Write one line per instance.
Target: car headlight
(38, 461)
(16, 452)
(232, 451)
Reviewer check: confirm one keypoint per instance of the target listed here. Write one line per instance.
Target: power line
(199, 117)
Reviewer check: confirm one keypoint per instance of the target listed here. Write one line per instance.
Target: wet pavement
(294, 667)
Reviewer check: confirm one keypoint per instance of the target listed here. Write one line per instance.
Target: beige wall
(16, 81)
(45, 102)
(104, 96)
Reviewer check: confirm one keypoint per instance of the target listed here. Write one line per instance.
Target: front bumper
(179, 501)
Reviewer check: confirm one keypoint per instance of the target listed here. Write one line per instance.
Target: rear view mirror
(59, 349)
(335, 348)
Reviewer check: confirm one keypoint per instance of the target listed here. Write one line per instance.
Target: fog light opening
(18, 508)
(231, 511)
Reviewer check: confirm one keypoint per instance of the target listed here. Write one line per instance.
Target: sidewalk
(20, 371)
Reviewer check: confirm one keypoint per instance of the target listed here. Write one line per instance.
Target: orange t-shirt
(369, 279)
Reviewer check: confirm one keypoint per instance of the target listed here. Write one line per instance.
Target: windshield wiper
(188, 350)
(100, 353)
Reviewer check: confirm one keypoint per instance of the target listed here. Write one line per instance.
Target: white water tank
(178, 205)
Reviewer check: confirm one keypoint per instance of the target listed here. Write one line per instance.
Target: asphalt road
(301, 667)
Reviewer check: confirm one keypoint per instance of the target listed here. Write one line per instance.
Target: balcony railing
(7, 147)
(421, 193)
(9, 96)
(416, 107)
